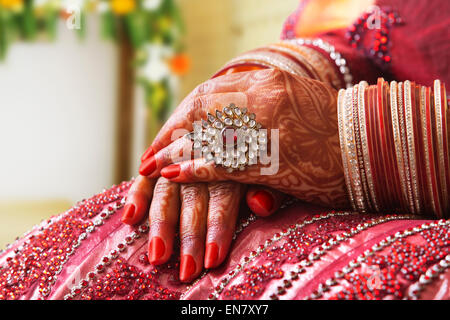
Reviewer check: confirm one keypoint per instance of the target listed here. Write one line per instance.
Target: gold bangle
(270, 60)
(291, 50)
(325, 69)
(404, 144)
(440, 142)
(342, 97)
(369, 185)
(361, 181)
(411, 147)
(351, 150)
(428, 149)
(398, 141)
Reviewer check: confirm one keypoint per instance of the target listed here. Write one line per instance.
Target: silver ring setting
(231, 138)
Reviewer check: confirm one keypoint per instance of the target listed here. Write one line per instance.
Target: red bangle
(400, 146)
(376, 162)
(368, 110)
(445, 128)
(381, 137)
(430, 154)
(419, 146)
(394, 191)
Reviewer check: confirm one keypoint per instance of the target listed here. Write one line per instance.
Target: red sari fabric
(301, 252)
(419, 47)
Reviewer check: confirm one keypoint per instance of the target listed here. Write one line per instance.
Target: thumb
(264, 201)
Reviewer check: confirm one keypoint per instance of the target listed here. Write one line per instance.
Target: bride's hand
(304, 112)
(206, 214)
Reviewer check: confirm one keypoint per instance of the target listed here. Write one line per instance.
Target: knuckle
(221, 190)
(188, 236)
(220, 223)
(163, 185)
(190, 193)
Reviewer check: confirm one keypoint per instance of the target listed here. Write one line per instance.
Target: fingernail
(211, 255)
(147, 167)
(147, 154)
(187, 267)
(157, 249)
(261, 202)
(128, 213)
(171, 171)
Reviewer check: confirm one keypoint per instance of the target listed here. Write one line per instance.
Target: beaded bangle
(439, 119)
(299, 59)
(428, 150)
(340, 62)
(398, 143)
(370, 144)
(319, 60)
(342, 97)
(356, 165)
(366, 173)
(420, 156)
(404, 143)
(445, 133)
(410, 145)
(266, 59)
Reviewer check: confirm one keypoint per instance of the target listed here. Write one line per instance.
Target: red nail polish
(171, 171)
(187, 267)
(261, 203)
(147, 167)
(157, 249)
(147, 154)
(128, 213)
(211, 255)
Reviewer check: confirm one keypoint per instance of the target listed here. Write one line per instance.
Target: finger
(163, 219)
(223, 209)
(177, 151)
(147, 154)
(264, 201)
(194, 209)
(200, 170)
(138, 200)
(196, 109)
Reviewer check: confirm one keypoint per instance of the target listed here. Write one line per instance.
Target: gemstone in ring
(232, 138)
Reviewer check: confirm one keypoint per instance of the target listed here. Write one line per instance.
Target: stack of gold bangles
(395, 146)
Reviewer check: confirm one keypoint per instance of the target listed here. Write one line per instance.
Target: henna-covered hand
(205, 212)
(302, 109)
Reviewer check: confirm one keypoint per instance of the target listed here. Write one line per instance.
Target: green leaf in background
(28, 22)
(136, 27)
(51, 23)
(157, 97)
(3, 35)
(139, 25)
(108, 25)
(8, 30)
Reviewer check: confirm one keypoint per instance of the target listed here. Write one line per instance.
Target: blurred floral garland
(153, 27)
